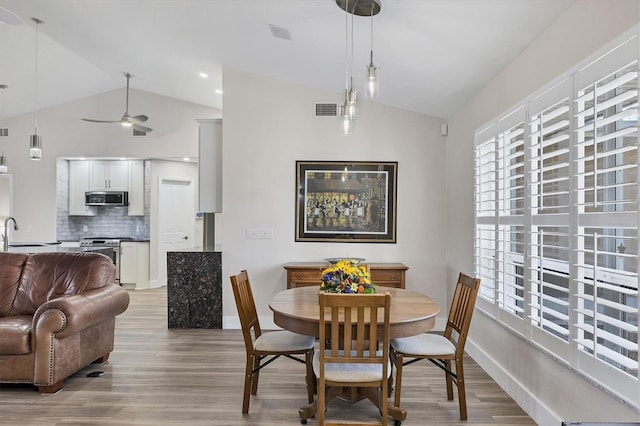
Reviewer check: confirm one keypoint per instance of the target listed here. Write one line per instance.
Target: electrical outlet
(259, 233)
(85, 228)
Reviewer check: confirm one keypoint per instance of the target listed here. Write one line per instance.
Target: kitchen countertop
(48, 248)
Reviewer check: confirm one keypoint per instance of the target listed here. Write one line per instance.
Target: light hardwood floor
(158, 377)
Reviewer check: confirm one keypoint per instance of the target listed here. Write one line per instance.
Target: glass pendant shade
(3, 164)
(35, 147)
(344, 120)
(373, 82)
(351, 102)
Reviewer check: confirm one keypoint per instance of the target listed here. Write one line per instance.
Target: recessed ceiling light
(219, 92)
(185, 159)
(204, 75)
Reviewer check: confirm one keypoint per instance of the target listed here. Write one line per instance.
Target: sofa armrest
(75, 312)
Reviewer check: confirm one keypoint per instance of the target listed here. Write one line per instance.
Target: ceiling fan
(126, 119)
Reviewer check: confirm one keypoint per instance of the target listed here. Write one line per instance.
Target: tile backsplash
(111, 221)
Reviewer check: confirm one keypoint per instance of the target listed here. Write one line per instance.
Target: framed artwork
(346, 201)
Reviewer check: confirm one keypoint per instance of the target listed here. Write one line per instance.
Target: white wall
(548, 391)
(175, 134)
(268, 125)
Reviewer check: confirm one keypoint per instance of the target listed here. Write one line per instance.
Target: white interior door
(176, 212)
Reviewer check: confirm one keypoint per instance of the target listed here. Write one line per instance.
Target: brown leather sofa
(57, 315)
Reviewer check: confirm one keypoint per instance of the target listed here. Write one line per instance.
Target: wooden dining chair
(269, 345)
(445, 351)
(349, 355)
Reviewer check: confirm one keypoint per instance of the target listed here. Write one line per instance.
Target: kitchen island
(194, 288)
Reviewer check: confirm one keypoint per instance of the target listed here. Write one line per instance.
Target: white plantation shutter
(557, 220)
(485, 206)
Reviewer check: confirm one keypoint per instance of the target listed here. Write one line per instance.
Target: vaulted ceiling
(433, 54)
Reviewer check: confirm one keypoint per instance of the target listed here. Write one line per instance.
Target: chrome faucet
(6, 233)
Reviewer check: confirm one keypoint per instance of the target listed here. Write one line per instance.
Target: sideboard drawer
(379, 276)
(306, 277)
(301, 274)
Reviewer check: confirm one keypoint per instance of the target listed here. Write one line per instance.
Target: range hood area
(106, 198)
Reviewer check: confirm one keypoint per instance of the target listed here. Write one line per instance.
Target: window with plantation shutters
(556, 212)
(485, 208)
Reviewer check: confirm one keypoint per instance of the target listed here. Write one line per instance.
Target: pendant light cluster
(35, 140)
(347, 110)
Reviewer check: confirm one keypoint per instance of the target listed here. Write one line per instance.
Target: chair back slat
(358, 341)
(462, 305)
(246, 308)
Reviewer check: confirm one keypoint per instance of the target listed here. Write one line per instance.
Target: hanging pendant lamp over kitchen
(35, 140)
(3, 132)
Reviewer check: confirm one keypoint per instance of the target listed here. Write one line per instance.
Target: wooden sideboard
(300, 274)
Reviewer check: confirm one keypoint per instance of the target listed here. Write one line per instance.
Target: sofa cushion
(47, 276)
(15, 335)
(11, 265)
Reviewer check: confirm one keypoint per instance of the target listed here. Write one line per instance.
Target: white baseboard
(521, 395)
(156, 284)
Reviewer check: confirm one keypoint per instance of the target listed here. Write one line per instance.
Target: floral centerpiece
(346, 276)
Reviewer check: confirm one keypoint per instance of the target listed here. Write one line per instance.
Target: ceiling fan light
(126, 124)
(35, 147)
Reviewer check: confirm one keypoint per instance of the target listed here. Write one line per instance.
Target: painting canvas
(346, 201)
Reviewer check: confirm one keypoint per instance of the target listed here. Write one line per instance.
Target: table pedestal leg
(351, 395)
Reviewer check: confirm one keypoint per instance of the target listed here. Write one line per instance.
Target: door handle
(185, 237)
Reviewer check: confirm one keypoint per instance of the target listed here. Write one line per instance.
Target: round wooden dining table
(298, 310)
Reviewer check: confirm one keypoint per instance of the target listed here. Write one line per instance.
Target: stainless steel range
(110, 245)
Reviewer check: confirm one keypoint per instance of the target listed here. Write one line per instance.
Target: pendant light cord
(38, 22)
(351, 68)
(372, 5)
(346, 45)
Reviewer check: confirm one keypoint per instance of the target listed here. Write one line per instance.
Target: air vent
(4, 131)
(280, 32)
(326, 109)
(139, 133)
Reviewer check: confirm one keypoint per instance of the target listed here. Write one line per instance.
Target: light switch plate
(259, 233)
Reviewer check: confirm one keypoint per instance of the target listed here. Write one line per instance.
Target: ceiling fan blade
(91, 120)
(141, 128)
(138, 119)
(8, 17)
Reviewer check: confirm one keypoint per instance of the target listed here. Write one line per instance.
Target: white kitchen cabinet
(109, 175)
(136, 188)
(134, 264)
(78, 185)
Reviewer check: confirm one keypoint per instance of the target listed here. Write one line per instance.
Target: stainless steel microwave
(106, 198)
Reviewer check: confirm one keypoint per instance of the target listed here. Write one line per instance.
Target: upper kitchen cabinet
(78, 185)
(105, 175)
(109, 175)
